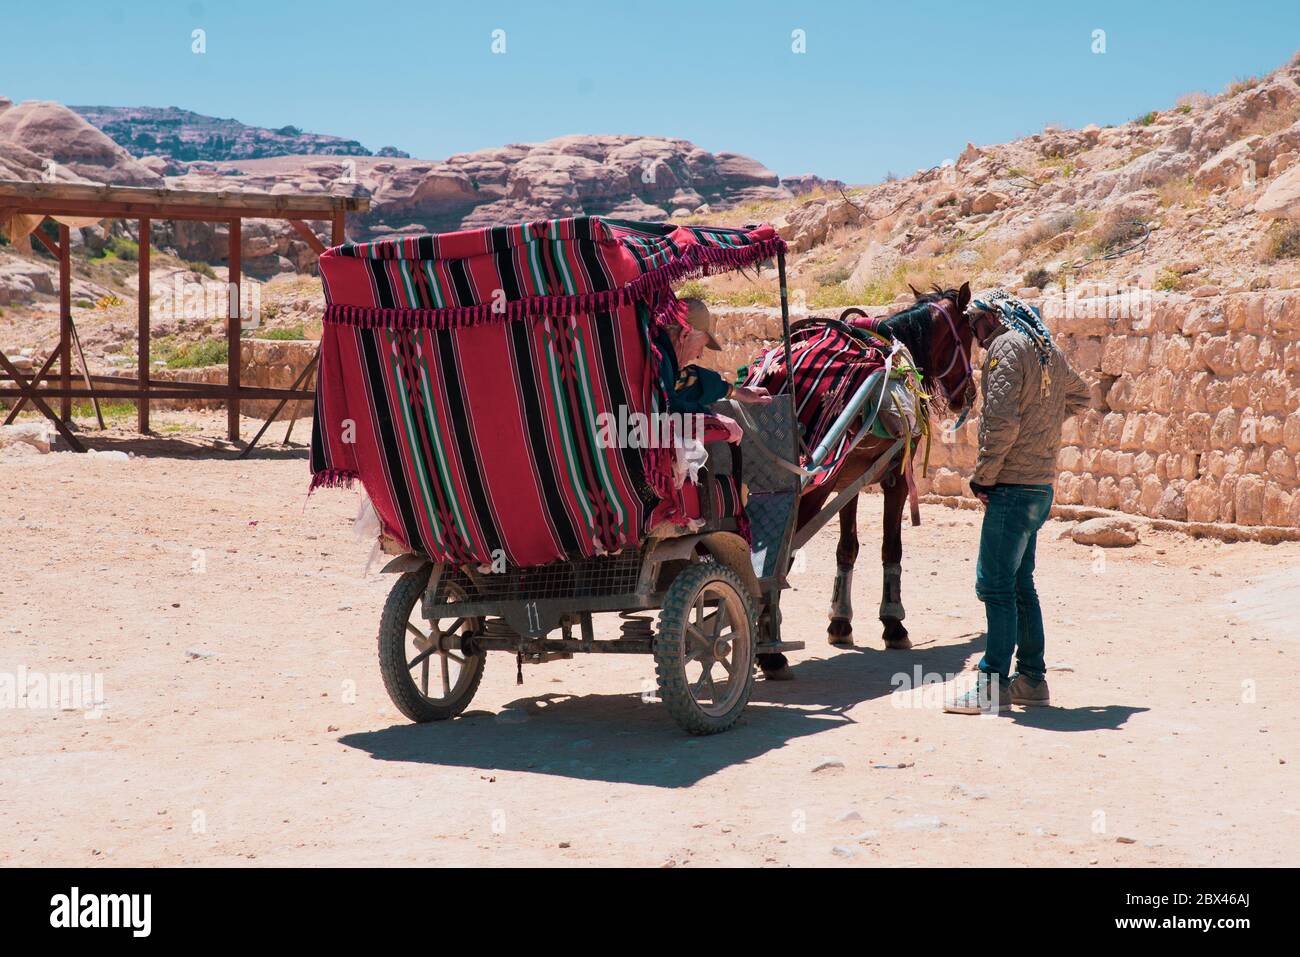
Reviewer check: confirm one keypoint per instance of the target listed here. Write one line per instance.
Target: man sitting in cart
(692, 389)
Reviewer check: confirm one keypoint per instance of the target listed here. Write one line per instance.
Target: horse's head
(936, 332)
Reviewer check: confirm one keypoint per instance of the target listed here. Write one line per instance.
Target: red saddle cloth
(830, 365)
(464, 377)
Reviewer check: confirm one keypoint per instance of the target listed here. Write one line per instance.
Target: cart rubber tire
(669, 647)
(393, 667)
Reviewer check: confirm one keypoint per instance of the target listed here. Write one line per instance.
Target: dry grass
(1282, 242)
(1181, 192)
(1046, 228)
(1169, 281)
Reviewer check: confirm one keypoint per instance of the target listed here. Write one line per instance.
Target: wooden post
(65, 319)
(233, 322)
(142, 363)
(338, 234)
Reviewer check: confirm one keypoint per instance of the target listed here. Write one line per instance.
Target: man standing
(1028, 390)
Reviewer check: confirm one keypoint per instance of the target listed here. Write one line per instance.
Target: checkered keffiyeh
(1014, 313)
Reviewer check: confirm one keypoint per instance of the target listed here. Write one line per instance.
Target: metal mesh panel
(769, 516)
(776, 431)
(585, 578)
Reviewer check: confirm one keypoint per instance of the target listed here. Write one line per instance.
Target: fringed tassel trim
(332, 478)
(694, 261)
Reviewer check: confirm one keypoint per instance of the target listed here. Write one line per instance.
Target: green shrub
(693, 289)
(1146, 119)
(205, 352)
(202, 268)
(123, 248)
(287, 333)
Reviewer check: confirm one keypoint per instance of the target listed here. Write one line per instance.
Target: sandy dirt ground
(233, 630)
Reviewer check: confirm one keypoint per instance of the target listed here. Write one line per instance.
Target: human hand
(734, 432)
(751, 395)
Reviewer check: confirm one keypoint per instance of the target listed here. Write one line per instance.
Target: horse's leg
(840, 630)
(891, 558)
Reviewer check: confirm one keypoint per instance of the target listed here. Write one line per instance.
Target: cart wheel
(704, 651)
(426, 680)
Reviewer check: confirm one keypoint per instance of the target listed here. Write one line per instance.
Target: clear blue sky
(882, 87)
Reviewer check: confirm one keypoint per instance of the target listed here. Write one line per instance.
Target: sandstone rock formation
(51, 131)
(618, 175)
(1281, 200)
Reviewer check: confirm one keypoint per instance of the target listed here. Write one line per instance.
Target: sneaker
(1029, 692)
(984, 698)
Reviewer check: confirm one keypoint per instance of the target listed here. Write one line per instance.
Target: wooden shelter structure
(77, 201)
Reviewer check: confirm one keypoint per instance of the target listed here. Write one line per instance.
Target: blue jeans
(1004, 579)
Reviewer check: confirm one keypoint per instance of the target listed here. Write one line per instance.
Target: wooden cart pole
(234, 321)
(65, 319)
(142, 327)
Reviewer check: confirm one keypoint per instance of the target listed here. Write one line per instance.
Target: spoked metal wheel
(704, 651)
(427, 676)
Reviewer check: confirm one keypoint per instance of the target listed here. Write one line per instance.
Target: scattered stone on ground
(1108, 532)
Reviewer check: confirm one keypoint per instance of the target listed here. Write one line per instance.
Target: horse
(939, 339)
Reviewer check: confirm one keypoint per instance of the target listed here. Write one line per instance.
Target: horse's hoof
(840, 633)
(898, 644)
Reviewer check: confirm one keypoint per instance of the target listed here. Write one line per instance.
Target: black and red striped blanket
(463, 377)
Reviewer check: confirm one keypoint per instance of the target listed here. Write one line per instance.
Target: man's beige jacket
(1020, 428)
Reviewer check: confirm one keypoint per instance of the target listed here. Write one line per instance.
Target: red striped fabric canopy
(463, 376)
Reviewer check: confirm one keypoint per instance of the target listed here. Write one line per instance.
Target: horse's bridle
(946, 309)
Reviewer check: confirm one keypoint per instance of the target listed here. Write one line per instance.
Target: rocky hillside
(183, 136)
(631, 176)
(1198, 195)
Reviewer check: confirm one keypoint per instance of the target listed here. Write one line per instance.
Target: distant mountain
(185, 136)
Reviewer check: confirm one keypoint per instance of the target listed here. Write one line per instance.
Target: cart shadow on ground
(161, 444)
(628, 739)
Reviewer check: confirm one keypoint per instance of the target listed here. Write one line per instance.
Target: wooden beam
(29, 392)
(85, 374)
(276, 411)
(208, 214)
(338, 230)
(46, 241)
(21, 195)
(158, 392)
(233, 322)
(65, 318)
(307, 234)
(35, 380)
(142, 329)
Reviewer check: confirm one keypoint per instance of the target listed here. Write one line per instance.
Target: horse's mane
(914, 325)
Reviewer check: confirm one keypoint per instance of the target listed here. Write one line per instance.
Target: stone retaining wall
(1194, 407)
(266, 363)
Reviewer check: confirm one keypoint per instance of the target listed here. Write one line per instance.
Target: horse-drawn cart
(472, 380)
